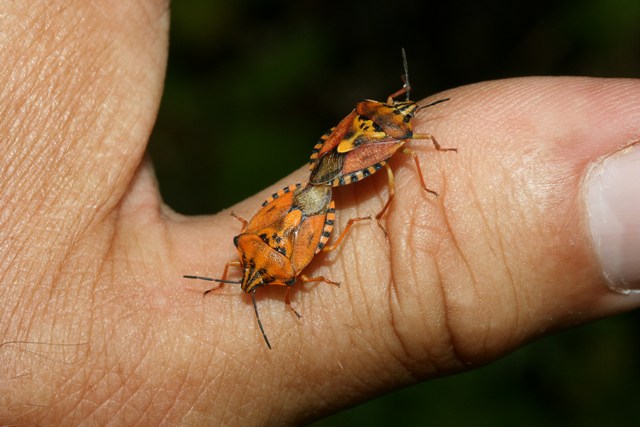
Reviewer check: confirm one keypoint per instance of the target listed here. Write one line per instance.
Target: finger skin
(509, 241)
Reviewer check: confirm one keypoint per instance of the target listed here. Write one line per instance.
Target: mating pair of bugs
(294, 224)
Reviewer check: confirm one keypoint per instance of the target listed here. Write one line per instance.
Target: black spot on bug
(266, 279)
(365, 125)
(362, 139)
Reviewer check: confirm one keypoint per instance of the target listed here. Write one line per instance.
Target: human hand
(99, 326)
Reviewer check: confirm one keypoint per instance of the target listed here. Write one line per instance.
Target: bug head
(253, 278)
(394, 120)
(262, 265)
(254, 274)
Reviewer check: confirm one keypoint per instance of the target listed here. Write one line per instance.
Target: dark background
(251, 85)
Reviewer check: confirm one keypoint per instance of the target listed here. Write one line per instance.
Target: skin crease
(98, 325)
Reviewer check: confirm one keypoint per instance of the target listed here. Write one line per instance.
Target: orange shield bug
(362, 142)
(281, 239)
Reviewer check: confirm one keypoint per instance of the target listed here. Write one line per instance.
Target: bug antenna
(405, 64)
(422, 107)
(255, 308)
(209, 279)
(436, 102)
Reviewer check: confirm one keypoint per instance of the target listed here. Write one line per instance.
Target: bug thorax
(394, 119)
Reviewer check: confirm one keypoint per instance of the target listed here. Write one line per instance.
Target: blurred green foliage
(251, 85)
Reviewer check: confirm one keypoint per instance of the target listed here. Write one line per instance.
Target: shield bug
(281, 239)
(362, 142)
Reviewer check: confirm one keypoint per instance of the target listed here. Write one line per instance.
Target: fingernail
(613, 203)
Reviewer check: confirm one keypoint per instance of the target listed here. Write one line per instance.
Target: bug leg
(412, 153)
(242, 220)
(415, 159)
(392, 193)
(287, 300)
(305, 279)
(213, 289)
(397, 93)
(224, 277)
(343, 234)
(433, 141)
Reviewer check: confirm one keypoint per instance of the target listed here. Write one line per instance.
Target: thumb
(518, 244)
(534, 231)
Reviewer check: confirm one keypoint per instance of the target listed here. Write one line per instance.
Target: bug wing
(273, 210)
(332, 138)
(367, 156)
(316, 205)
(307, 241)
